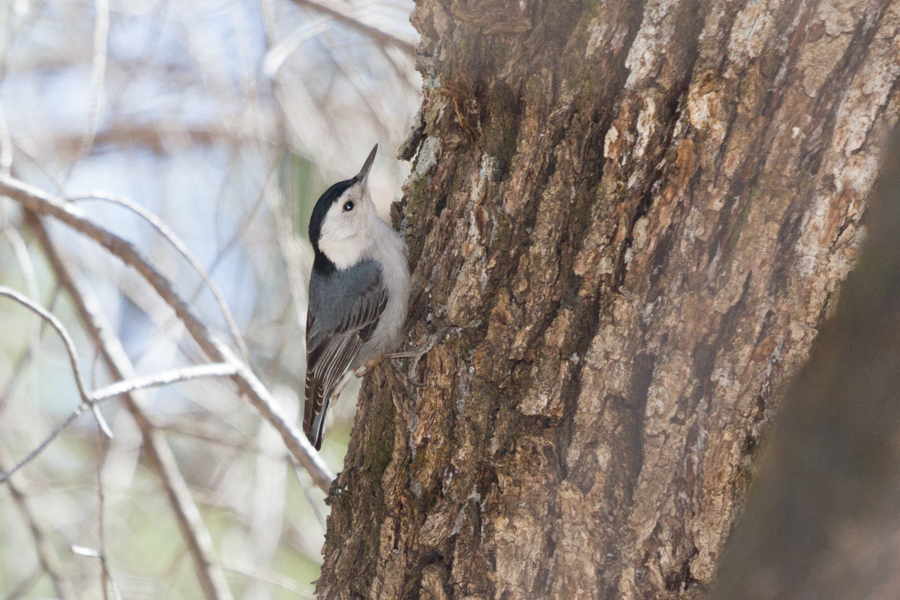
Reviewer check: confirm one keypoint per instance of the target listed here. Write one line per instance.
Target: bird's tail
(314, 413)
(315, 431)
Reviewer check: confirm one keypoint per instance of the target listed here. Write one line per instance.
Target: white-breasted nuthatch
(358, 293)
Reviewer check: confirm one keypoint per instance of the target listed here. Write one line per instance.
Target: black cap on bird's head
(331, 195)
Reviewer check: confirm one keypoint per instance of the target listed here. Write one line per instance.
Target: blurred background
(226, 119)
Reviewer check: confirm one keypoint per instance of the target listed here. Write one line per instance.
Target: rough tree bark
(822, 521)
(626, 223)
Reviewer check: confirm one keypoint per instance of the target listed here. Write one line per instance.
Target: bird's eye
(348, 205)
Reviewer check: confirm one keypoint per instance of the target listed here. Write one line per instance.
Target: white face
(346, 229)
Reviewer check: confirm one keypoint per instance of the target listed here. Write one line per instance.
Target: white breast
(389, 251)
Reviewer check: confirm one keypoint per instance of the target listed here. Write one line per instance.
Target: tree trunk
(823, 521)
(626, 224)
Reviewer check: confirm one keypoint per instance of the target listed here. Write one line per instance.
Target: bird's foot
(368, 366)
(417, 355)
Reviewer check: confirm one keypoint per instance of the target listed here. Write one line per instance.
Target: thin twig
(25, 357)
(297, 257)
(370, 98)
(156, 136)
(6, 147)
(73, 361)
(106, 578)
(214, 434)
(193, 529)
(180, 247)
(101, 420)
(98, 73)
(296, 442)
(404, 74)
(45, 551)
(43, 445)
(239, 232)
(276, 56)
(42, 203)
(21, 590)
(20, 249)
(341, 15)
(60, 329)
(320, 519)
(267, 576)
(26, 266)
(116, 389)
(163, 379)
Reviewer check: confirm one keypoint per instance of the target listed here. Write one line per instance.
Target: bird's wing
(330, 352)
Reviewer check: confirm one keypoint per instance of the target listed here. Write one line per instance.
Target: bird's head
(340, 227)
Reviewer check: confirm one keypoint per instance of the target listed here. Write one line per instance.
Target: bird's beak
(364, 172)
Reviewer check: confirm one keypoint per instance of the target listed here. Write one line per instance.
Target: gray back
(334, 296)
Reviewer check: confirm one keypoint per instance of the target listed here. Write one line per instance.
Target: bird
(358, 293)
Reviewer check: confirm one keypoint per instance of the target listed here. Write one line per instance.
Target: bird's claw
(417, 355)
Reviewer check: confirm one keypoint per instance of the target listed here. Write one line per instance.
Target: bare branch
(43, 203)
(24, 358)
(60, 329)
(98, 73)
(86, 401)
(106, 576)
(197, 537)
(267, 576)
(320, 519)
(280, 53)
(341, 15)
(163, 379)
(46, 554)
(6, 148)
(47, 441)
(346, 64)
(296, 442)
(215, 434)
(116, 389)
(297, 257)
(90, 400)
(101, 523)
(160, 138)
(181, 248)
(101, 420)
(236, 236)
(26, 266)
(21, 590)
